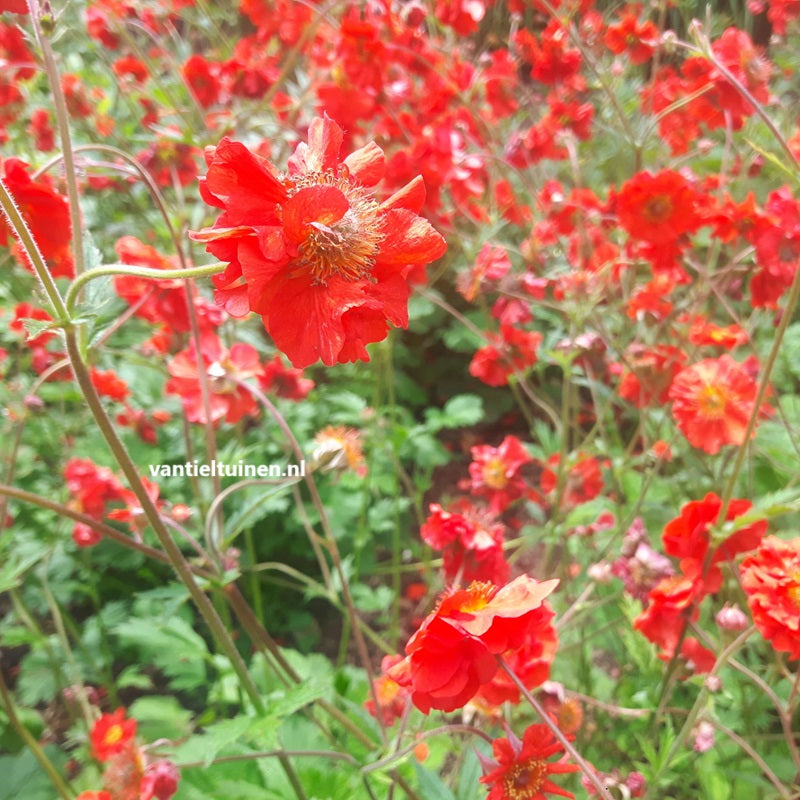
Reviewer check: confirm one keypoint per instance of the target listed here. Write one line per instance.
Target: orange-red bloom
(455, 650)
(521, 768)
(712, 402)
(312, 251)
(111, 733)
(657, 208)
(494, 473)
(687, 537)
(771, 579)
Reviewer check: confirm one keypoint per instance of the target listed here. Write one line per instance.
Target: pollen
(524, 780)
(348, 247)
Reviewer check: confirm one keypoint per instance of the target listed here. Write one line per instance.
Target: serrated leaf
(294, 698)
(206, 745)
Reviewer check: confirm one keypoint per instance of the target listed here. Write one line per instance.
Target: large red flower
(657, 208)
(521, 768)
(712, 402)
(312, 251)
(687, 537)
(455, 650)
(771, 579)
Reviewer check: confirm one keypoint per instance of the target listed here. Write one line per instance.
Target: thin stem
(97, 525)
(768, 773)
(24, 734)
(62, 123)
(333, 754)
(448, 729)
(586, 769)
(176, 558)
(699, 702)
(138, 272)
(23, 233)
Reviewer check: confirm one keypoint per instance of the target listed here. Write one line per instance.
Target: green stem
(23, 233)
(586, 769)
(62, 123)
(173, 552)
(138, 272)
(699, 702)
(52, 773)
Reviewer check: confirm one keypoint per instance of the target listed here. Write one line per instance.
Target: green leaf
(206, 745)
(431, 785)
(171, 645)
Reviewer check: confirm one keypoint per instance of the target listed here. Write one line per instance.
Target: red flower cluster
(313, 252)
(92, 489)
(455, 650)
(675, 601)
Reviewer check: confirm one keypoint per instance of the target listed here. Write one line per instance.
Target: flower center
(712, 401)
(794, 590)
(494, 474)
(657, 209)
(114, 734)
(524, 780)
(346, 247)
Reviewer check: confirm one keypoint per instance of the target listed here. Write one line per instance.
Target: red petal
(411, 196)
(322, 204)
(243, 182)
(366, 164)
(409, 239)
(322, 151)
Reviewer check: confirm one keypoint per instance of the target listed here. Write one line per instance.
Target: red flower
(512, 351)
(227, 400)
(284, 381)
(202, 81)
(392, 697)
(491, 264)
(639, 40)
(712, 402)
(324, 264)
(687, 537)
(530, 662)
(657, 208)
(455, 650)
(101, 795)
(494, 472)
(521, 768)
(109, 384)
(472, 543)
(771, 579)
(673, 603)
(583, 481)
(651, 371)
(111, 734)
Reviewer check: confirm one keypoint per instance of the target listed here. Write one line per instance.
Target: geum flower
(771, 580)
(312, 251)
(456, 649)
(521, 768)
